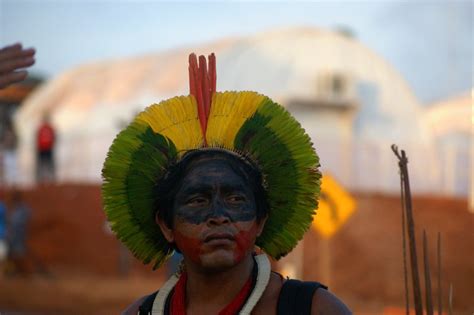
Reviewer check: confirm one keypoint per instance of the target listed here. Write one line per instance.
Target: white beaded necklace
(263, 277)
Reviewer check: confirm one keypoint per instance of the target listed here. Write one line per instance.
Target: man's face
(214, 222)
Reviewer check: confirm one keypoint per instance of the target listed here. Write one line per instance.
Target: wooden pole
(403, 165)
(450, 301)
(404, 248)
(440, 291)
(428, 300)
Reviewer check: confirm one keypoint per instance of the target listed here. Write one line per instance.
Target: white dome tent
(352, 103)
(450, 122)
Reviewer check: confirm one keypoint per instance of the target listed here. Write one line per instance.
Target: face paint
(212, 200)
(214, 190)
(245, 240)
(201, 206)
(193, 240)
(189, 245)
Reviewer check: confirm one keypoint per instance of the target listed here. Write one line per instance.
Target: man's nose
(218, 213)
(218, 220)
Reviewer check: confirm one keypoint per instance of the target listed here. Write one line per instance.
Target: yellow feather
(229, 111)
(176, 119)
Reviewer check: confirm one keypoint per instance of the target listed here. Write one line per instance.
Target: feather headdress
(246, 123)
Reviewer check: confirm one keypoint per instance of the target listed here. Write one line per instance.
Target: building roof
(453, 115)
(90, 103)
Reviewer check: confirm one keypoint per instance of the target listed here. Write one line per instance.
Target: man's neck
(209, 290)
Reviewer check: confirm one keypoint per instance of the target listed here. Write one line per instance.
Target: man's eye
(236, 199)
(197, 201)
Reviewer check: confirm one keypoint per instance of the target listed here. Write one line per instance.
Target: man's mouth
(219, 239)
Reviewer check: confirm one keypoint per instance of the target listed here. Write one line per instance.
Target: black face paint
(212, 189)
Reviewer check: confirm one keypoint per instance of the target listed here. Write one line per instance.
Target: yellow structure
(335, 206)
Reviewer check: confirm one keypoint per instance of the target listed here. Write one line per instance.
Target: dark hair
(169, 185)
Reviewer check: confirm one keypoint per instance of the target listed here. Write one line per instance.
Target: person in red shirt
(45, 139)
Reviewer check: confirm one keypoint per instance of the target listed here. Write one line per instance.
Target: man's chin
(218, 260)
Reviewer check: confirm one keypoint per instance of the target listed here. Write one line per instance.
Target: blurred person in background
(3, 234)
(17, 234)
(8, 146)
(13, 59)
(45, 140)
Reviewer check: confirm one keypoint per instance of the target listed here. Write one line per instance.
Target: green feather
(139, 157)
(285, 155)
(136, 161)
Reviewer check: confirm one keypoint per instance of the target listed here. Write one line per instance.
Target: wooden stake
(450, 301)
(429, 302)
(404, 248)
(403, 165)
(440, 291)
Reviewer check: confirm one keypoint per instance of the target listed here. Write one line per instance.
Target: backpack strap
(296, 297)
(147, 305)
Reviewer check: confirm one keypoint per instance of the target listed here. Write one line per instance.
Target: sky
(430, 43)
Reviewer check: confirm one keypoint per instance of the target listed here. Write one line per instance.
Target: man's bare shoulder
(325, 303)
(269, 300)
(132, 309)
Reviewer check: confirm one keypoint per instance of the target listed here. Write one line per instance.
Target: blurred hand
(13, 58)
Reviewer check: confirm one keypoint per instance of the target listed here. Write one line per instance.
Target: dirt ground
(72, 294)
(76, 266)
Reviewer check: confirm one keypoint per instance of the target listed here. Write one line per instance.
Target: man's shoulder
(324, 302)
(309, 297)
(317, 298)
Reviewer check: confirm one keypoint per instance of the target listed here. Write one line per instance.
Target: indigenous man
(226, 179)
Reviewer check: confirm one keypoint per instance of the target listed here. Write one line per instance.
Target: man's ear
(261, 225)
(167, 232)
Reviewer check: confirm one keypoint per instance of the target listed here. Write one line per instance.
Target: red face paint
(193, 247)
(214, 199)
(190, 246)
(245, 241)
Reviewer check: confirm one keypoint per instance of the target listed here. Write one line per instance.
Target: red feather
(202, 85)
(212, 72)
(205, 85)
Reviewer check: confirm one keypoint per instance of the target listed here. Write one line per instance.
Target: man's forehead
(211, 164)
(212, 170)
(206, 185)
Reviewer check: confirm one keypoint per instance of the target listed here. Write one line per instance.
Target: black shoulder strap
(296, 297)
(147, 305)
